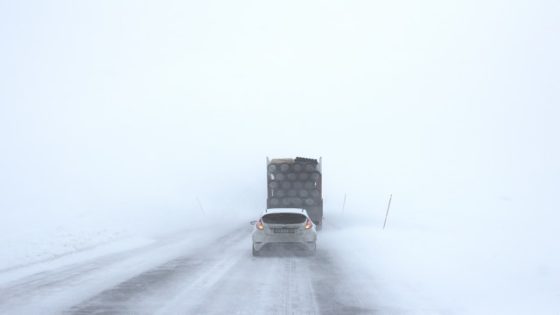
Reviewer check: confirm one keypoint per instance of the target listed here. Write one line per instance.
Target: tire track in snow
(217, 279)
(261, 285)
(227, 279)
(146, 292)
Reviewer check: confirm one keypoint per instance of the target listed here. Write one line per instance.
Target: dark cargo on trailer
(296, 183)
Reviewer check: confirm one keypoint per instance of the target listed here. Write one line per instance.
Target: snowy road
(217, 277)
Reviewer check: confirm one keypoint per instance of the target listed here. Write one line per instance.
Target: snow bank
(33, 239)
(49, 242)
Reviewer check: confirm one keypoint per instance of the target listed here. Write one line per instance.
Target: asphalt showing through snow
(221, 278)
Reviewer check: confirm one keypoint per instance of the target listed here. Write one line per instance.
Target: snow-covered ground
(458, 269)
(52, 286)
(30, 241)
(30, 245)
(407, 268)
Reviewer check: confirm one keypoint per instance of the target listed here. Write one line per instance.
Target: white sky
(123, 104)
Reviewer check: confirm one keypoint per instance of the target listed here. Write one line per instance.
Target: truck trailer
(296, 183)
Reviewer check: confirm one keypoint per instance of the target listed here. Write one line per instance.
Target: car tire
(256, 253)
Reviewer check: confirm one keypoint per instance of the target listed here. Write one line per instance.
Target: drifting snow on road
(218, 277)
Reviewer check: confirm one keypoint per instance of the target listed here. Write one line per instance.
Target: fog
(136, 104)
(149, 115)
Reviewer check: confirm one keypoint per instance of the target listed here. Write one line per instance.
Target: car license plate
(284, 230)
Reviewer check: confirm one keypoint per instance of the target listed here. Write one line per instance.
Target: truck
(296, 183)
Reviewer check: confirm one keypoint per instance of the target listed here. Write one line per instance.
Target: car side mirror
(253, 222)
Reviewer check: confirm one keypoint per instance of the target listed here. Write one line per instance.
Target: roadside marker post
(387, 213)
(200, 206)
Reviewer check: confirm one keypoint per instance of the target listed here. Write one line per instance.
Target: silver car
(284, 227)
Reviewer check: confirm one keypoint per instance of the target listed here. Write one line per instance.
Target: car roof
(286, 210)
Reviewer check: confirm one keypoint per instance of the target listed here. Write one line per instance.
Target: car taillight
(259, 225)
(308, 224)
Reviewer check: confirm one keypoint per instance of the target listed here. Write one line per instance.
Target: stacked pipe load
(294, 183)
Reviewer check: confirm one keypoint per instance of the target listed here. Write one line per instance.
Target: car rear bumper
(274, 247)
(304, 241)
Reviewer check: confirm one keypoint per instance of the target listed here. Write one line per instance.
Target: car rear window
(284, 218)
